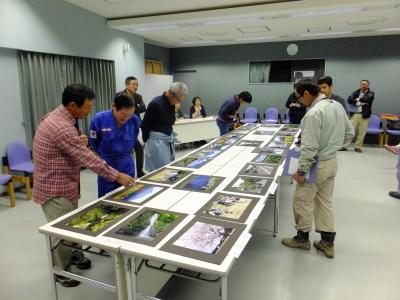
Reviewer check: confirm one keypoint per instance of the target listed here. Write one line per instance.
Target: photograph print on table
(286, 139)
(249, 185)
(280, 145)
(191, 162)
(200, 183)
(95, 218)
(206, 153)
(147, 226)
(267, 158)
(248, 143)
(137, 194)
(263, 132)
(205, 239)
(166, 176)
(229, 207)
(265, 149)
(264, 170)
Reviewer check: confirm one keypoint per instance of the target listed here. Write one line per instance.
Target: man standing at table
(157, 127)
(360, 110)
(229, 109)
(131, 87)
(324, 128)
(58, 154)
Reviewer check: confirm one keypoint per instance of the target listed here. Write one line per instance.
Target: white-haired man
(157, 127)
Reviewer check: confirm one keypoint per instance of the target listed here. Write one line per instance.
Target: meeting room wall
(55, 26)
(224, 70)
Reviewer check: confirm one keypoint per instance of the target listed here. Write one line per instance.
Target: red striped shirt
(58, 155)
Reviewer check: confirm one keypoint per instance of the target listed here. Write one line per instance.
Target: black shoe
(358, 150)
(395, 194)
(67, 282)
(81, 262)
(343, 149)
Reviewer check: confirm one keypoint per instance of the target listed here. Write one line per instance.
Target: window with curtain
(259, 71)
(44, 77)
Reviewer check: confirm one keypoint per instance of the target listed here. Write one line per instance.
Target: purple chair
(391, 132)
(271, 116)
(7, 181)
(250, 115)
(19, 160)
(287, 118)
(374, 128)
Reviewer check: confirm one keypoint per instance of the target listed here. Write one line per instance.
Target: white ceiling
(183, 23)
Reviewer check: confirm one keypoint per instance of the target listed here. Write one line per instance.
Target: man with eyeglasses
(113, 135)
(157, 127)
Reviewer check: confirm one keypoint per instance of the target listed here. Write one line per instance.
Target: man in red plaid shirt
(59, 151)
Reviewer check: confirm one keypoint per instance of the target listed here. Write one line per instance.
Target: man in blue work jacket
(113, 134)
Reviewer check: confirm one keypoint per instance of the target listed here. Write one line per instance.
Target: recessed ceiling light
(232, 21)
(190, 38)
(256, 38)
(198, 42)
(112, 2)
(389, 29)
(156, 27)
(338, 11)
(253, 29)
(324, 33)
(366, 21)
(213, 32)
(319, 29)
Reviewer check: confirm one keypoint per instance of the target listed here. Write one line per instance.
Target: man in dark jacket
(297, 110)
(360, 108)
(131, 87)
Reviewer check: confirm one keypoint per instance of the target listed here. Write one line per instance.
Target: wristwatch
(301, 172)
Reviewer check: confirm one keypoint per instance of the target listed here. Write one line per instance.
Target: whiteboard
(155, 85)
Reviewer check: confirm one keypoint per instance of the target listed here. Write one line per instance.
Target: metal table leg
(120, 273)
(276, 206)
(224, 288)
(131, 277)
(50, 260)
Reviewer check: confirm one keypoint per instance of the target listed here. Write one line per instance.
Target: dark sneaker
(343, 149)
(294, 243)
(67, 282)
(327, 250)
(395, 194)
(358, 150)
(81, 262)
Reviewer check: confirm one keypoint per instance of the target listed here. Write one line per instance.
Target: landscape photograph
(137, 194)
(191, 162)
(166, 175)
(267, 158)
(249, 185)
(263, 170)
(201, 183)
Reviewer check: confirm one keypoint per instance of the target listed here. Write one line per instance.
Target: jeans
(223, 126)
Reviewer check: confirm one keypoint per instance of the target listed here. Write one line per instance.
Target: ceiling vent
(366, 21)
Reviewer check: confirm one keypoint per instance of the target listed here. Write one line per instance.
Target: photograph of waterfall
(166, 176)
(250, 185)
(96, 218)
(205, 239)
(266, 158)
(200, 183)
(191, 162)
(264, 170)
(136, 194)
(228, 207)
(148, 226)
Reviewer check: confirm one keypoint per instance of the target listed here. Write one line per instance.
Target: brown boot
(299, 241)
(326, 244)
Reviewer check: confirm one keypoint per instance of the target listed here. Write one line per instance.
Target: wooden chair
(6, 180)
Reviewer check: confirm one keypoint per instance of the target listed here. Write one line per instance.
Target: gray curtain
(259, 71)
(44, 77)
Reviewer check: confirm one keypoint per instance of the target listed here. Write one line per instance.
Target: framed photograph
(248, 143)
(229, 207)
(200, 183)
(267, 158)
(205, 239)
(206, 153)
(270, 125)
(249, 185)
(137, 194)
(286, 139)
(226, 140)
(166, 175)
(297, 126)
(233, 135)
(285, 133)
(280, 145)
(288, 130)
(264, 132)
(95, 218)
(263, 170)
(277, 151)
(217, 146)
(191, 162)
(147, 226)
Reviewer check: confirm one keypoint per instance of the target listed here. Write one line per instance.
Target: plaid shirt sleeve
(70, 143)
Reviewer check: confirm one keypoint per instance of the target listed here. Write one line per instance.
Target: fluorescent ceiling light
(156, 27)
(232, 21)
(327, 12)
(198, 42)
(324, 33)
(256, 38)
(389, 29)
